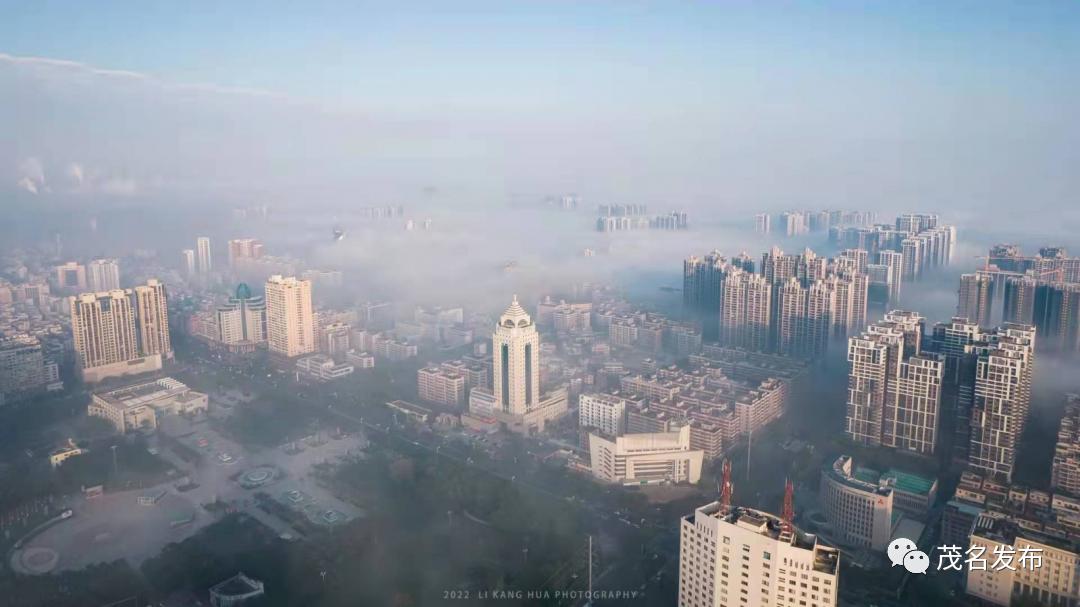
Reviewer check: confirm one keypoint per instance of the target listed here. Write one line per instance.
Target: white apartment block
(604, 412)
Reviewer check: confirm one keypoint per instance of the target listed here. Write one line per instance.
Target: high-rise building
(1065, 473)
(763, 223)
(790, 318)
(746, 311)
(120, 332)
(733, 557)
(152, 319)
(894, 261)
(703, 282)
(24, 369)
(516, 346)
(71, 276)
(203, 263)
(976, 298)
(187, 262)
(103, 275)
(290, 322)
(242, 319)
(894, 389)
(1003, 370)
(242, 249)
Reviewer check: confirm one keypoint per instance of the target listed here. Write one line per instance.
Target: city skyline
(569, 304)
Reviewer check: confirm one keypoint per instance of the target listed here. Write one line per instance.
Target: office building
(645, 458)
(71, 277)
(1065, 471)
(517, 371)
(859, 510)
(290, 323)
(103, 275)
(137, 406)
(203, 263)
(241, 321)
(733, 557)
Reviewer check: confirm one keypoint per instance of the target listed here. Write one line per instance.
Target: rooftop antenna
(725, 491)
(789, 503)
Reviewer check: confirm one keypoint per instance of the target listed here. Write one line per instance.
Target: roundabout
(258, 477)
(35, 560)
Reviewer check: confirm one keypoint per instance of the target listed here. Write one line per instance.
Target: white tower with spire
(516, 350)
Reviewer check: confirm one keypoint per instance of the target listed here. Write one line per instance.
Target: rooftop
(145, 393)
(826, 560)
(908, 482)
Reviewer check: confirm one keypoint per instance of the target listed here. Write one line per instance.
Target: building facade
(290, 323)
(654, 457)
(734, 557)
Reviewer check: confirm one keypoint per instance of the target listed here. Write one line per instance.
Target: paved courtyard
(116, 526)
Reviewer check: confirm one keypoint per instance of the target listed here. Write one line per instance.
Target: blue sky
(763, 105)
(478, 55)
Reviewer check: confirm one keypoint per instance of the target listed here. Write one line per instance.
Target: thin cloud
(76, 66)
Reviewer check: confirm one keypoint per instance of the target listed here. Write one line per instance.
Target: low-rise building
(411, 411)
(63, 453)
(321, 367)
(236, 591)
(135, 407)
(646, 458)
(360, 360)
